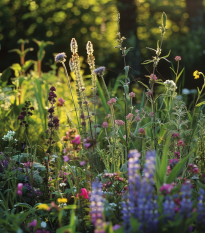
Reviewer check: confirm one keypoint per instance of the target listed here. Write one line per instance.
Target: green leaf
(147, 62)
(200, 185)
(177, 169)
(143, 84)
(27, 65)
(17, 69)
(189, 115)
(172, 70)
(164, 162)
(5, 76)
(167, 55)
(158, 44)
(117, 105)
(102, 97)
(127, 50)
(200, 104)
(179, 75)
(164, 20)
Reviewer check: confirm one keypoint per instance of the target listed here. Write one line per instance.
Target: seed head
(60, 57)
(89, 48)
(74, 46)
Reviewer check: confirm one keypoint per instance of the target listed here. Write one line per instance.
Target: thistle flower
(142, 131)
(175, 135)
(137, 118)
(60, 58)
(180, 143)
(112, 101)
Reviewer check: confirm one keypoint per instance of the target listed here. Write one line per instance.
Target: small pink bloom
(175, 135)
(105, 124)
(132, 94)
(142, 131)
(149, 93)
(151, 114)
(33, 224)
(87, 145)
(119, 122)
(66, 158)
(137, 118)
(166, 188)
(82, 163)
(84, 193)
(112, 101)
(129, 116)
(108, 102)
(180, 143)
(153, 78)
(177, 58)
(115, 227)
(176, 209)
(20, 186)
(168, 170)
(172, 160)
(19, 192)
(76, 140)
(60, 102)
(177, 154)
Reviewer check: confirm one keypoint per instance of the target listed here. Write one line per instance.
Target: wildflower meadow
(79, 155)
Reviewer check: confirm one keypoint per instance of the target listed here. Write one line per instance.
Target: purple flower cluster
(32, 192)
(201, 208)
(26, 111)
(140, 202)
(97, 205)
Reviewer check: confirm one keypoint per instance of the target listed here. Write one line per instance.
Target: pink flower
(177, 154)
(175, 135)
(153, 78)
(66, 158)
(112, 101)
(176, 209)
(149, 93)
(105, 124)
(82, 163)
(171, 160)
(142, 131)
(60, 102)
(87, 145)
(119, 122)
(33, 224)
(137, 118)
(115, 227)
(177, 58)
(76, 140)
(84, 193)
(129, 116)
(19, 187)
(151, 114)
(131, 94)
(168, 170)
(180, 143)
(166, 188)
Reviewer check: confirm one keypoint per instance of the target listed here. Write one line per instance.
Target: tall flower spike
(73, 46)
(89, 48)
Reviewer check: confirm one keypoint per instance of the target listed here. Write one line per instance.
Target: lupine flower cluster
(97, 206)
(201, 208)
(26, 112)
(140, 202)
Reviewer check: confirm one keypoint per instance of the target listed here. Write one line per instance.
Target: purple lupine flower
(169, 208)
(186, 203)
(96, 202)
(201, 207)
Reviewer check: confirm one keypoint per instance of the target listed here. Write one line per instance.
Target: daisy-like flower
(196, 74)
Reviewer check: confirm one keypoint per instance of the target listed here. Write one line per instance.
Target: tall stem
(71, 93)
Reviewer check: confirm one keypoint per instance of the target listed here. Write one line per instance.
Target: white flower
(43, 224)
(62, 184)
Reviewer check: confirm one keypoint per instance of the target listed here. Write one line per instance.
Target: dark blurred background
(95, 20)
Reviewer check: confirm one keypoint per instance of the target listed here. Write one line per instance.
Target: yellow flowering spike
(196, 74)
(62, 200)
(43, 207)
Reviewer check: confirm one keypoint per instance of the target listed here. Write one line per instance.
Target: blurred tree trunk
(128, 29)
(195, 11)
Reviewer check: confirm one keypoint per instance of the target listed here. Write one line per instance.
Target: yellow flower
(43, 207)
(196, 74)
(62, 200)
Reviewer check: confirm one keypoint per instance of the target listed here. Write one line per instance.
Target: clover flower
(60, 102)
(105, 124)
(112, 101)
(142, 131)
(60, 57)
(129, 116)
(153, 77)
(19, 188)
(180, 143)
(119, 122)
(177, 58)
(137, 119)
(132, 94)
